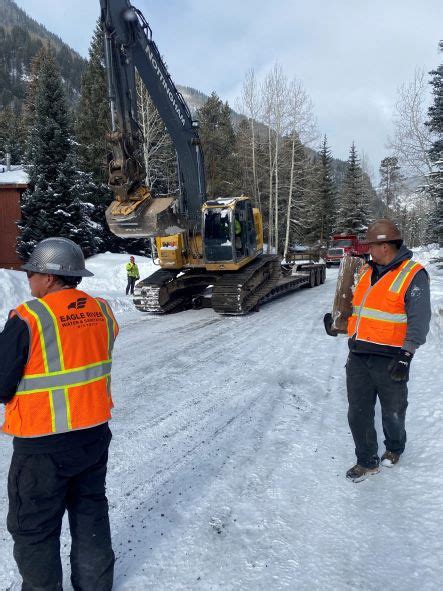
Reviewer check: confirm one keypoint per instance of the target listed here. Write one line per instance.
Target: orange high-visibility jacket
(379, 312)
(66, 384)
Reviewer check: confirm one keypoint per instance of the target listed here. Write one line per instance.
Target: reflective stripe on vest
(111, 339)
(110, 326)
(398, 282)
(64, 379)
(49, 335)
(53, 361)
(57, 379)
(379, 315)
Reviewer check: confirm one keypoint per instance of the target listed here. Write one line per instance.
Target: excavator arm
(135, 212)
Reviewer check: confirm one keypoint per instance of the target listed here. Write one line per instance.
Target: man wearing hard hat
(56, 353)
(390, 320)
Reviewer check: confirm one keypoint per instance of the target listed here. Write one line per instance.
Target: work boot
(358, 473)
(389, 459)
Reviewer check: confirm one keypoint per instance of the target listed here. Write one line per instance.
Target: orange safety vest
(379, 312)
(66, 383)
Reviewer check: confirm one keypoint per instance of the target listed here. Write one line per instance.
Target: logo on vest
(80, 317)
(78, 304)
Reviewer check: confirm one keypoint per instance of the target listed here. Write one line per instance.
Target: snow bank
(428, 256)
(14, 290)
(110, 278)
(109, 281)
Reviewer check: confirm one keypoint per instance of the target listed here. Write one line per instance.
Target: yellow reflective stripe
(40, 335)
(374, 314)
(403, 274)
(406, 277)
(67, 371)
(51, 406)
(62, 379)
(110, 324)
(57, 333)
(68, 409)
(74, 385)
(108, 328)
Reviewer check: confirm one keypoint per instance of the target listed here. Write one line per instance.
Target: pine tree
(353, 208)
(52, 206)
(93, 116)
(218, 141)
(435, 186)
(29, 104)
(390, 181)
(327, 193)
(11, 135)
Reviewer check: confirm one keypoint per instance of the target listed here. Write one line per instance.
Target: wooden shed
(12, 184)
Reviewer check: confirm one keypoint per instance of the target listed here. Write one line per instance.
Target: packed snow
(231, 445)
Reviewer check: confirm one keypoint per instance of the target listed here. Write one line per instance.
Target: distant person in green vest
(133, 275)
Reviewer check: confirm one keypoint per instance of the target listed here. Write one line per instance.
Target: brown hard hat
(383, 230)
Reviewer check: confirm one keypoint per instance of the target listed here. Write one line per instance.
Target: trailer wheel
(323, 275)
(318, 276)
(312, 281)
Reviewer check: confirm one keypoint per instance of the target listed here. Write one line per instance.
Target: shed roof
(15, 177)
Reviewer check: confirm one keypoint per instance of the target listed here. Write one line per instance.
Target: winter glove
(399, 366)
(327, 321)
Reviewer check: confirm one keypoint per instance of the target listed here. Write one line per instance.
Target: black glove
(327, 321)
(399, 366)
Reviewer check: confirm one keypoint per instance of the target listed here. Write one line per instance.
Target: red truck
(343, 244)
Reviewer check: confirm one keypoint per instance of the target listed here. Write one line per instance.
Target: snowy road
(229, 453)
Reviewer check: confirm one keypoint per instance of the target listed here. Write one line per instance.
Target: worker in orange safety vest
(56, 355)
(390, 320)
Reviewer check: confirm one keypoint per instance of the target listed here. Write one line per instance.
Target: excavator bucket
(144, 218)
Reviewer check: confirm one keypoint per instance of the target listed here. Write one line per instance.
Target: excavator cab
(229, 233)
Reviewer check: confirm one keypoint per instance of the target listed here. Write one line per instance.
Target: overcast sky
(350, 55)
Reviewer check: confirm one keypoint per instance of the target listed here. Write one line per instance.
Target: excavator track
(155, 294)
(233, 292)
(237, 293)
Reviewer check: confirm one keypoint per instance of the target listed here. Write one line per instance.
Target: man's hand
(399, 366)
(327, 321)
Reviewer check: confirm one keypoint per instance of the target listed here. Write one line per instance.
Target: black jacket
(417, 305)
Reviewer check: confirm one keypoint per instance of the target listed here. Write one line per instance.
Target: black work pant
(130, 286)
(40, 488)
(367, 376)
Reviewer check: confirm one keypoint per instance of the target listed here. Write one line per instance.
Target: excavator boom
(135, 212)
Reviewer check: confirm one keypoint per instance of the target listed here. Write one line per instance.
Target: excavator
(203, 245)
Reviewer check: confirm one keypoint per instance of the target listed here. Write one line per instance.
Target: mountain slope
(21, 38)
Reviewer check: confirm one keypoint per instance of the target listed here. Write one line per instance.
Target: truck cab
(345, 244)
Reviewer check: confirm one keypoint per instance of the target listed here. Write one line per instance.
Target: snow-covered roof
(15, 176)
